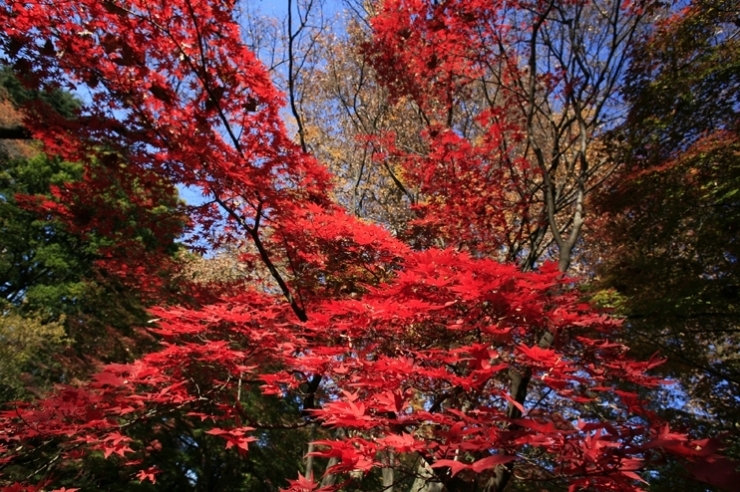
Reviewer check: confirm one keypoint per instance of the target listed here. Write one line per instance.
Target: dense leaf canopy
(451, 355)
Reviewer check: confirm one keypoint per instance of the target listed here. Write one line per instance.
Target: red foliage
(416, 350)
(475, 191)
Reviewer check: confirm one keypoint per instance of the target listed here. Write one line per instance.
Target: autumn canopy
(454, 352)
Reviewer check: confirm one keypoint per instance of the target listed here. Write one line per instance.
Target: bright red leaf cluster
(475, 189)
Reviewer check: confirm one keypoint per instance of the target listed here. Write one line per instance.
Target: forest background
(368, 291)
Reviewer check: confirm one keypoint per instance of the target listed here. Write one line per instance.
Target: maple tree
(435, 367)
(513, 99)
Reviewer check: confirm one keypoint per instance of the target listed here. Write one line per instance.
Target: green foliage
(23, 341)
(39, 261)
(50, 272)
(609, 299)
(62, 102)
(673, 226)
(50, 268)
